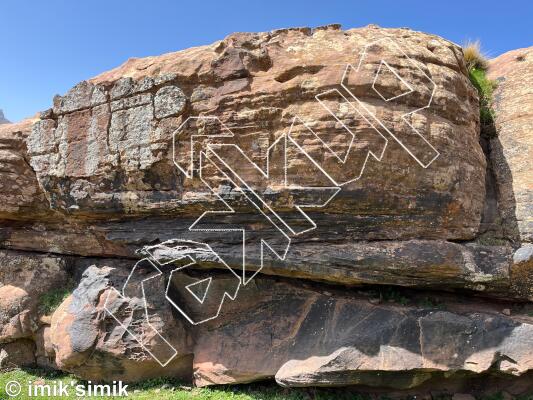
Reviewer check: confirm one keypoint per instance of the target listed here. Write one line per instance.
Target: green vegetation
(403, 297)
(477, 64)
(487, 240)
(484, 87)
(389, 294)
(52, 299)
(427, 302)
(168, 389)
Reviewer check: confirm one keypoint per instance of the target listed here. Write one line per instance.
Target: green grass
(167, 389)
(49, 301)
(488, 240)
(477, 64)
(485, 87)
(427, 302)
(391, 295)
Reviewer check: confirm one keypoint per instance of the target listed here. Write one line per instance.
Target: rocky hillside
(3, 119)
(314, 206)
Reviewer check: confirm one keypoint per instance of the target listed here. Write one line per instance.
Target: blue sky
(48, 46)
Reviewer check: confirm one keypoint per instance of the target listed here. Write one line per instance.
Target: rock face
(21, 197)
(511, 153)
(3, 119)
(24, 279)
(87, 340)
(512, 150)
(106, 146)
(302, 334)
(351, 160)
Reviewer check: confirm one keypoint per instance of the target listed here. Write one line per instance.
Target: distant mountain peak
(3, 119)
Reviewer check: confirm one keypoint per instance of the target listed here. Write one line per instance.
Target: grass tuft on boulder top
(49, 301)
(477, 64)
(474, 56)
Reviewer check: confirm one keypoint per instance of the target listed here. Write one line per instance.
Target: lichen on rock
(401, 279)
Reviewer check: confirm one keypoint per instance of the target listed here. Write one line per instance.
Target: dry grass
(477, 64)
(474, 56)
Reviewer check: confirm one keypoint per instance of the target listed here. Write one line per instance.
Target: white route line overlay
(192, 262)
(406, 115)
(251, 194)
(121, 294)
(336, 186)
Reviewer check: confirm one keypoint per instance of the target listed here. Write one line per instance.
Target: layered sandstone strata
(419, 203)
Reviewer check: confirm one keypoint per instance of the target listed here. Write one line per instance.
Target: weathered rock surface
(104, 151)
(512, 149)
(95, 178)
(88, 341)
(20, 353)
(302, 335)
(24, 279)
(106, 147)
(3, 119)
(20, 195)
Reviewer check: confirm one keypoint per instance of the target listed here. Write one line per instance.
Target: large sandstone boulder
(511, 152)
(410, 265)
(103, 155)
(301, 334)
(88, 341)
(106, 146)
(25, 279)
(512, 149)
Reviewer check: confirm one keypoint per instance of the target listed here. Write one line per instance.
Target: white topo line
(212, 155)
